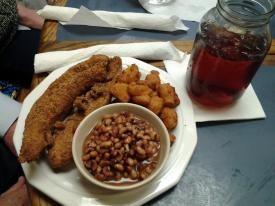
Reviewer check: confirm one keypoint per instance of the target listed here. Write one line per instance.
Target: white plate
(70, 188)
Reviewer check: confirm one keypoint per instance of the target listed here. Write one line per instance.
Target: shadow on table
(228, 122)
(80, 32)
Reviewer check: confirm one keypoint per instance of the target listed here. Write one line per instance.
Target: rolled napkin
(247, 107)
(121, 20)
(58, 13)
(46, 62)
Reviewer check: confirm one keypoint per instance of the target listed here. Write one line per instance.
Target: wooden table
(48, 42)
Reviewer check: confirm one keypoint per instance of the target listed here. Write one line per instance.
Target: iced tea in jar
(232, 42)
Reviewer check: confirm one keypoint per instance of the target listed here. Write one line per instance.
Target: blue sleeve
(9, 111)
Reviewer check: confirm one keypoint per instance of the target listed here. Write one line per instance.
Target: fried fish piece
(60, 154)
(86, 103)
(95, 102)
(114, 68)
(56, 101)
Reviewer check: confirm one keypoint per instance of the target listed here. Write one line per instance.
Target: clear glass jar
(232, 42)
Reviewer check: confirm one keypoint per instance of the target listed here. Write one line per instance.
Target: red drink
(222, 65)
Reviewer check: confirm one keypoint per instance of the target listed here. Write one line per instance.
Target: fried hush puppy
(169, 95)
(57, 101)
(131, 74)
(135, 89)
(142, 100)
(153, 80)
(155, 104)
(169, 117)
(149, 92)
(120, 91)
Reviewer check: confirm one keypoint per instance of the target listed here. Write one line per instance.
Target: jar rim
(245, 18)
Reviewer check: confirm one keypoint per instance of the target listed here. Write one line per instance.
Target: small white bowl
(90, 121)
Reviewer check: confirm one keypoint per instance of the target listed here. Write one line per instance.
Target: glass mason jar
(231, 43)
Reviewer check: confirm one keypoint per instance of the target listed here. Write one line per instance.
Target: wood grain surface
(49, 42)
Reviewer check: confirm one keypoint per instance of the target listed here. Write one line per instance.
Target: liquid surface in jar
(222, 65)
(121, 149)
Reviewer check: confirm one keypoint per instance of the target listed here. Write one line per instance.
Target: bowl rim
(91, 178)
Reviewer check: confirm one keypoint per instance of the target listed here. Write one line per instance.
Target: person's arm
(9, 111)
(17, 50)
(28, 17)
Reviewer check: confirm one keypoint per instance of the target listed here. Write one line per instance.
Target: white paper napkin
(247, 107)
(121, 20)
(191, 10)
(45, 62)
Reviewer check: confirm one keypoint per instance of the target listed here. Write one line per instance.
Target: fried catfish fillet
(114, 68)
(56, 101)
(60, 154)
(92, 100)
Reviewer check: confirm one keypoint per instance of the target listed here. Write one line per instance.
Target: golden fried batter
(114, 68)
(131, 74)
(172, 138)
(168, 94)
(143, 100)
(86, 103)
(150, 93)
(169, 117)
(138, 90)
(153, 80)
(156, 104)
(60, 154)
(120, 91)
(55, 102)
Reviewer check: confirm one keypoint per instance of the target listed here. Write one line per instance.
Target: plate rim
(180, 168)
